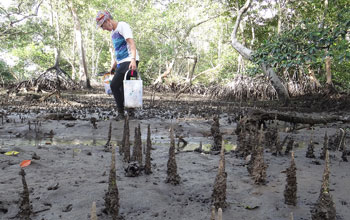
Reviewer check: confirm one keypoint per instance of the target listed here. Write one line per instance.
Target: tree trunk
(83, 70)
(281, 4)
(247, 53)
(74, 72)
(220, 42)
(280, 17)
(57, 52)
(165, 74)
(240, 64)
(190, 77)
(281, 90)
(54, 18)
(329, 87)
(97, 59)
(328, 71)
(253, 36)
(313, 78)
(195, 60)
(93, 67)
(57, 49)
(329, 82)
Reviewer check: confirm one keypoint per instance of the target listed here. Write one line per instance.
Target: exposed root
(93, 215)
(172, 176)
(137, 152)
(25, 208)
(53, 79)
(324, 208)
(148, 167)
(219, 193)
(108, 144)
(112, 195)
(215, 132)
(259, 165)
(290, 191)
(126, 142)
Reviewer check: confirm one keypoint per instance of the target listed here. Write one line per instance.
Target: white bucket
(132, 92)
(107, 78)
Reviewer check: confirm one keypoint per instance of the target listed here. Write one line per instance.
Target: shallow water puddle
(53, 141)
(22, 142)
(206, 147)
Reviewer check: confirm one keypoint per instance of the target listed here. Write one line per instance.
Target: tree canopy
(188, 40)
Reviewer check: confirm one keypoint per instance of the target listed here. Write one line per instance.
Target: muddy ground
(70, 168)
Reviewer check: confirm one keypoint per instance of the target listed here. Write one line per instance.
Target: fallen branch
(44, 98)
(260, 115)
(57, 116)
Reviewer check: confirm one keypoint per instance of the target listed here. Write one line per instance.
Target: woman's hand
(132, 64)
(112, 69)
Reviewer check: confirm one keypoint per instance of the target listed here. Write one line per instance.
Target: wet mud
(70, 142)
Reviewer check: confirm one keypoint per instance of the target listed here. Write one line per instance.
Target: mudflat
(65, 137)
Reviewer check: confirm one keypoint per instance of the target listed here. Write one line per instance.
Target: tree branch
(239, 18)
(199, 23)
(244, 51)
(206, 71)
(35, 13)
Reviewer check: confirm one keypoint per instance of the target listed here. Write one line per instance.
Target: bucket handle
(132, 71)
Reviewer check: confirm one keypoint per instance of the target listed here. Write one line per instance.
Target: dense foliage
(309, 42)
